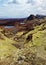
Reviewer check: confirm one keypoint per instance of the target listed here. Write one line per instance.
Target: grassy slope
(7, 50)
(37, 43)
(31, 52)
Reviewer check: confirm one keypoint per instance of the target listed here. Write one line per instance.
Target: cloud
(13, 10)
(21, 8)
(22, 1)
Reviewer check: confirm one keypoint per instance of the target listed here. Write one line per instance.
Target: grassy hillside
(24, 47)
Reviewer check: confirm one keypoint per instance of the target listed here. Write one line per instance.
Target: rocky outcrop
(31, 17)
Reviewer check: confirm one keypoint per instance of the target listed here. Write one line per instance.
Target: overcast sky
(21, 8)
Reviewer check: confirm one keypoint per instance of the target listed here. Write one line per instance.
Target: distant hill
(13, 21)
(10, 22)
(40, 16)
(31, 17)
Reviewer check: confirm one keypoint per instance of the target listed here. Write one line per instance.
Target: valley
(23, 43)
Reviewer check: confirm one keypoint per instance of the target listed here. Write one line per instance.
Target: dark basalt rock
(31, 17)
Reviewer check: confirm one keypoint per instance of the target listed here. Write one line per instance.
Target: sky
(21, 8)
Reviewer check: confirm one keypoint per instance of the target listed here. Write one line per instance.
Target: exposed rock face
(31, 17)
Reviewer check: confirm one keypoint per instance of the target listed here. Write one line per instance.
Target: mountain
(40, 16)
(31, 17)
